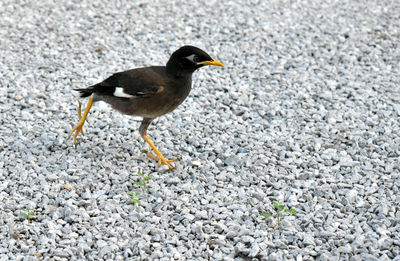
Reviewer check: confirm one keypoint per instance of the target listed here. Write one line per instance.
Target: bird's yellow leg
(78, 127)
(151, 155)
(80, 114)
(158, 157)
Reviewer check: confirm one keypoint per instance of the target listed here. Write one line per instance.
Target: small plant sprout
(280, 210)
(134, 199)
(28, 215)
(142, 183)
(144, 179)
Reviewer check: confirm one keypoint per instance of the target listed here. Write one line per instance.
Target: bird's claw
(77, 130)
(79, 127)
(161, 160)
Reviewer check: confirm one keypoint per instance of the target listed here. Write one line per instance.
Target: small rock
(196, 163)
(385, 243)
(254, 250)
(308, 240)
(351, 196)
(231, 160)
(345, 249)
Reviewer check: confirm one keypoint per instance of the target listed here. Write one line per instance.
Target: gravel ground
(305, 113)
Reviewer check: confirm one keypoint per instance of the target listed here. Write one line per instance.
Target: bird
(148, 92)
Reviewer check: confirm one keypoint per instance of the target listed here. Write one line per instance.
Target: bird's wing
(142, 82)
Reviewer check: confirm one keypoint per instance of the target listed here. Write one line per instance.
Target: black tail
(85, 92)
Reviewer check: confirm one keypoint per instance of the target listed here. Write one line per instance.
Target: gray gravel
(305, 113)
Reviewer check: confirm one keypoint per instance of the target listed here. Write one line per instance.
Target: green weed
(28, 214)
(142, 184)
(280, 212)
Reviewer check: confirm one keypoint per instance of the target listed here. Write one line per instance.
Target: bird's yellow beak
(212, 62)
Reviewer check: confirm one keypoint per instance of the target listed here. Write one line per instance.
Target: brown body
(169, 92)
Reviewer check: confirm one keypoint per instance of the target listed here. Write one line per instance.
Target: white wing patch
(119, 92)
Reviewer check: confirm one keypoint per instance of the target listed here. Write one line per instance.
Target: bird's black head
(188, 58)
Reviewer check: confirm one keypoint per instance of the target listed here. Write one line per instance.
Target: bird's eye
(193, 58)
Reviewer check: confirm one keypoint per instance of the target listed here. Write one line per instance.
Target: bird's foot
(161, 160)
(77, 130)
(79, 127)
(82, 118)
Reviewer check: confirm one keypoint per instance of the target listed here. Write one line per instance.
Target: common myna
(148, 92)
